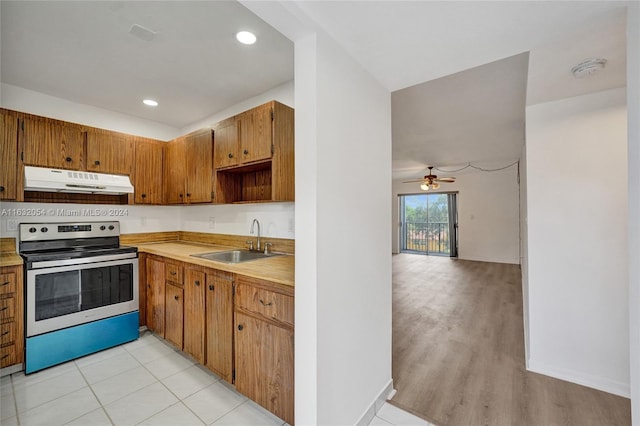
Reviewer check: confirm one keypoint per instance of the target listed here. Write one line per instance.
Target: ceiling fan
(431, 181)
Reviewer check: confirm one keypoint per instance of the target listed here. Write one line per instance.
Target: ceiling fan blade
(413, 181)
(447, 180)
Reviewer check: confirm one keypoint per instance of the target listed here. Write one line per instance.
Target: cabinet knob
(97, 162)
(180, 195)
(230, 155)
(173, 272)
(240, 327)
(188, 194)
(1, 188)
(211, 287)
(68, 159)
(144, 195)
(197, 282)
(246, 152)
(176, 297)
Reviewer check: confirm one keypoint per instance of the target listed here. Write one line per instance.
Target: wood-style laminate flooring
(458, 351)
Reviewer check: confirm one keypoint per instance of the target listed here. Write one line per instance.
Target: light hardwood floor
(458, 351)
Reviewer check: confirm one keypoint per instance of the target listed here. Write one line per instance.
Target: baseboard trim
(515, 261)
(386, 393)
(580, 378)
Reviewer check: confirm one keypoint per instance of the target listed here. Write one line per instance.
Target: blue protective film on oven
(59, 346)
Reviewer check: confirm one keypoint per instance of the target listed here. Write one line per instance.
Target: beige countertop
(279, 269)
(10, 259)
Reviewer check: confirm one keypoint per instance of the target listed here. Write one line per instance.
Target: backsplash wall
(276, 219)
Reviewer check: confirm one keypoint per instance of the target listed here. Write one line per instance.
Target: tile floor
(145, 382)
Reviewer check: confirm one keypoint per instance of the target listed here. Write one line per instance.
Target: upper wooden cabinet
(52, 143)
(188, 168)
(8, 156)
(109, 152)
(147, 177)
(254, 155)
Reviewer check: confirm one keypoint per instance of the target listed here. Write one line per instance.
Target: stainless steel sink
(235, 256)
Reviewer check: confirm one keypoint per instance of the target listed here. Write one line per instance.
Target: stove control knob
(32, 229)
(111, 227)
(44, 229)
(102, 228)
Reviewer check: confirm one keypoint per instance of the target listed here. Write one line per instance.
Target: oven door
(64, 296)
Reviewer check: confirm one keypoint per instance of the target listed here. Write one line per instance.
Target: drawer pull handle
(5, 283)
(197, 282)
(5, 333)
(211, 287)
(266, 304)
(5, 356)
(4, 309)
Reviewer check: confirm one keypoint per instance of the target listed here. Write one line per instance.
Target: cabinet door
(147, 178)
(174, 171)
(109, 152)
(52, 144)
(8, 157)
(225, 146)
(199, 158)
(256, 134)
(194, 318)
(174, 315)
(155, 295)
(264, 364)
(219, 324)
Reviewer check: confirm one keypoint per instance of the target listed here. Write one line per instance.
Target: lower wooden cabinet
(11, 316)
(264, 345)
(174, 315)
(241, 328)
(194, 313)
(219, 324)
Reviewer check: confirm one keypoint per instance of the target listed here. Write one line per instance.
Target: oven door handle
(81, 260)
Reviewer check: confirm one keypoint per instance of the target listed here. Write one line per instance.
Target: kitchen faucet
(255, 221)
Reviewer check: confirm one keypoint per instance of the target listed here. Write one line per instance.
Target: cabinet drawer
(173, 273)
(267, 303)
(7, 356)
(7, 283)
(7, 333)
(7, 308)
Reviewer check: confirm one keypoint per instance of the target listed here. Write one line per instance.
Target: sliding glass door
(429, 224)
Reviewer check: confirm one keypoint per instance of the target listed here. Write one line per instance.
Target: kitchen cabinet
(219, 324)
(263, 169)
(194, 313)
(174, 319)
(109, 152)
(147, 176)
(155, 295)
(11, 316)
(8, 156)
(189, 168)
(264, 345)
(53, 143)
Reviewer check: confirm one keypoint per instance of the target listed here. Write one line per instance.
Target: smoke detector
(588, 67)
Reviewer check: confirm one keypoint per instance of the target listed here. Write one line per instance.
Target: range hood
(56, 180)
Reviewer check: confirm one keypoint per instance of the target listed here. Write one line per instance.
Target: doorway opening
(429, 224)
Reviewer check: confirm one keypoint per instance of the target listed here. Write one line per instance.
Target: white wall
(283, 94)
(488, 214)
(577, 234)
(343, 264)
(633, 117)
(524, 252)
(19, 99)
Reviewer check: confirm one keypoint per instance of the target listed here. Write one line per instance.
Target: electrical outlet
(12, 224)
(212, 223)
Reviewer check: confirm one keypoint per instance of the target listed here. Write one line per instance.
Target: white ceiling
(457, 69)
(82, 51)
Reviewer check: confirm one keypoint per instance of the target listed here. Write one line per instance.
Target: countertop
(278, 269)
(10, 259)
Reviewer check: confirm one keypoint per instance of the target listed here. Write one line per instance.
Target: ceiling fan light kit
(431, 181)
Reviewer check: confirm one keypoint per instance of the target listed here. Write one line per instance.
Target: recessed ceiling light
(246, 37)
(150, 102)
